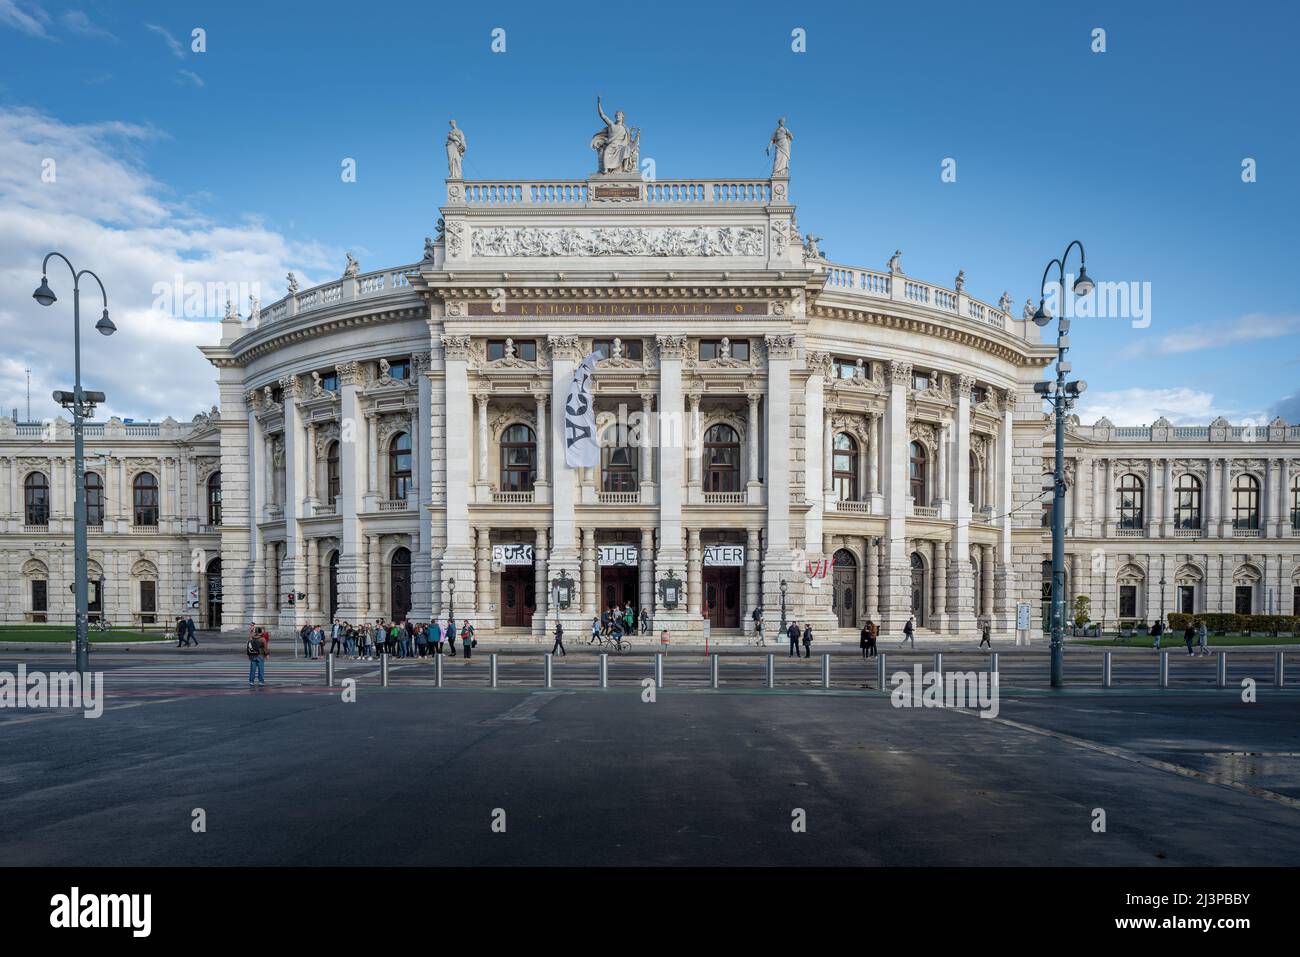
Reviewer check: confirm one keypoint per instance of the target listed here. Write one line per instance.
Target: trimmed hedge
(1219, 623)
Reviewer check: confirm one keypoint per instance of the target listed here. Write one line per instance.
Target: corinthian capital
(898, 372)
(780, 346)
(455, 346)
(671, 347)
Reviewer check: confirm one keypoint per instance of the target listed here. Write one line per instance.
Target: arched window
(1245, 502)
(1187, 502)
(94, 499)
(144, 497)
(1131, 502)
(721, 459)
(214, 499)
(976, 483)
(518, 459)
(36, 499)
(399, 466)
(916, 468)
(332, 472)
(618, 468)
(845, 468)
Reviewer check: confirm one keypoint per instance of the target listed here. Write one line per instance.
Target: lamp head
(105, 325)
(1084, 284)
(1042, 317)
(44, 294)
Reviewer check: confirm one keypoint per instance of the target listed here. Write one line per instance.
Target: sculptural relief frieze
(583, 241)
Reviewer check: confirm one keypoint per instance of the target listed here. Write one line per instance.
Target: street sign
(1023, 616)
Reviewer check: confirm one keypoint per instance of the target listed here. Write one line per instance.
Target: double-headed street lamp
(81, 403)
(1061, 395)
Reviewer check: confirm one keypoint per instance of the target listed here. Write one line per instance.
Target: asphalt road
(293, 774)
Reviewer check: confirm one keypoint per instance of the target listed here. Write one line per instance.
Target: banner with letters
(512, 554)
(616, 554)
(730, 556)
(581, 449)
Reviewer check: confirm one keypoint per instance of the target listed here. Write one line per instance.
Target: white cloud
(32, 23)
(1217, 335)
(106, 213)
(1143, 406)
(175, 45)
(192, 77)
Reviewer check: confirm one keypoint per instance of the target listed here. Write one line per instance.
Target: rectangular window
(978, 394)
(851, 369)
(399, 369)
(330, 382)
(524, 349)
(920, 381)
(734, 349)
(148, 601)
(628, 348)
(1187, 599)
(1244, 603)
(40, 595)
(1128, 601)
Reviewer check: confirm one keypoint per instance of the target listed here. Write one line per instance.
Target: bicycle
(618, 643)
(102, 625)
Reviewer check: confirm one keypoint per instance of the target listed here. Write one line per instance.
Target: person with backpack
(435, 638)
(467, 639)
(559, 640)
(257, 649)
(793, 634)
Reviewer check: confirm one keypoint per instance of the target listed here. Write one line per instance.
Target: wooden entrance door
(721, 596)
(518, 596)
(618, 586)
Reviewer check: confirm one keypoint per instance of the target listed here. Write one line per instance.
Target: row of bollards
(1220, 669)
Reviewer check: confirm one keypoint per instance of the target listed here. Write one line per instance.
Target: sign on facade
(512, 554)
(730, 556)
(1023, 612)
(616, 554)
(192, 596)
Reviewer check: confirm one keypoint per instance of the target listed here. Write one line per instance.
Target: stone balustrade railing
(896, 287)
(579, 192)
(381, 282)
(1217, 432)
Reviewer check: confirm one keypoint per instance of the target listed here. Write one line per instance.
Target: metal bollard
(880, 672)
(329, 670)
(826, 671)
(993, 663)
(492, 670)
(1164, 669)
(1279, 669)
(771, 671)
(546, 670)
(713, 670)
(659, 669)
(604, 670)
(437, 671)
(938, 663)
(383, 668)
(1221, 672)
(1105, 669)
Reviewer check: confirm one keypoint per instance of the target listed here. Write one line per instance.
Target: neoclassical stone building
(392, 443)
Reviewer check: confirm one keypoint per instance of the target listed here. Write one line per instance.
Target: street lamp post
(783, 622)
(81, 404)
(1061, 394)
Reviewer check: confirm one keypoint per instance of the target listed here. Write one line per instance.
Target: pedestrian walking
(807, 639)
(559, 640)
(986, 636)
(190, 631)
(1189, 635)
(1203, 637)
(645, 621)
(1157, 630)
(257, 650)
(909, 634)
(451, 636)
(757, 615)
(793, 634)
(180, 632)
(595, 631)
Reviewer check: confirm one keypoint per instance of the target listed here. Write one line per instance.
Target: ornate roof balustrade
(582, 192)
(363, 287)
(896, 287)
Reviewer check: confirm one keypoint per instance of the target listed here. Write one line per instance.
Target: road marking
(1135, 758)
(525, 711)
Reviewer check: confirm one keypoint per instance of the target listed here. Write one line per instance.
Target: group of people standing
(619, 622)
(1196, 633)
(405, 639)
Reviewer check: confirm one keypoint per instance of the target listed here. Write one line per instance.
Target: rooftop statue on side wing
(617, 146)
(781, 139)
(455, 151)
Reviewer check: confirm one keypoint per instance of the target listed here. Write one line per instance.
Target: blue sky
(226, 163)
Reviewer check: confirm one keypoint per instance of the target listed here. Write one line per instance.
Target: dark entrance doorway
(400, 591)
(722, 596)
(518, 596)
(214, 593)
(918, 590)
(618, 586)
(844, 596)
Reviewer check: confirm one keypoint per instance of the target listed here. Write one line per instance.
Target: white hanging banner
(581, 450)
(724, 555)
(512, 554)
(616, 554)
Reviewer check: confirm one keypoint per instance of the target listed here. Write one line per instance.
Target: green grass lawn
(1170, 642)
(57, 633)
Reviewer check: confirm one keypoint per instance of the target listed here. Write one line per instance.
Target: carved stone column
(694, 572)
(591, 600)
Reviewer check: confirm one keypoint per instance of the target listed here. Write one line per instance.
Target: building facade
(774, 428)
